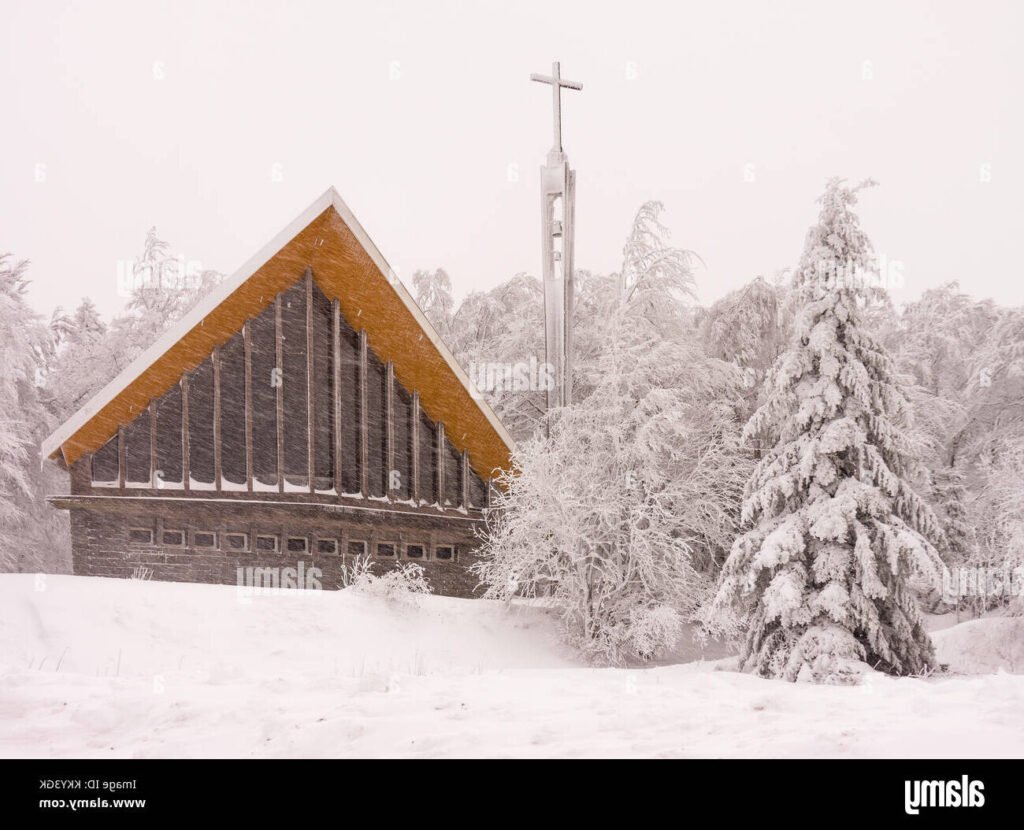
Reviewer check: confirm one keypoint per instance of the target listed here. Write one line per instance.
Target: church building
(305, 411)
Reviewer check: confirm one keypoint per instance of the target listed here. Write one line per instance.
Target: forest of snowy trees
(800, 465)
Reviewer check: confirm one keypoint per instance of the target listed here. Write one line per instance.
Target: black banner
(785, 792)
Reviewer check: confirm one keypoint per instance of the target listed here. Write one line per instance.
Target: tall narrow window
(104, 463)
(477, 490)
(168, 438)
(452, 474)
(296, 432)
(323, 391)
(403, 443)
(136, 451)
(265, 379)
(200, 424)
(350, 455)
(375, 422)
(232, 413)
(428, 460)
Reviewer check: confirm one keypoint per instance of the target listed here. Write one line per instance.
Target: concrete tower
(558, 202)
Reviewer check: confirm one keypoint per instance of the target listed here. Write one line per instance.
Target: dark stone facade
(291, 442)
(106, 541)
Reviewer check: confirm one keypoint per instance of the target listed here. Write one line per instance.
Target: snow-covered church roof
(348, 267)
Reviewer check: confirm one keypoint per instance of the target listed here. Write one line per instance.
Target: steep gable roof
(348, 267)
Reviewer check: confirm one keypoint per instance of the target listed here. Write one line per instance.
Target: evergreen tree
(821, 580)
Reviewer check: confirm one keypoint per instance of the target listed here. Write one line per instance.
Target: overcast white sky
(219, 122)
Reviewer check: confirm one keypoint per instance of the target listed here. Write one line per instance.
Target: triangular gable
(347, 266)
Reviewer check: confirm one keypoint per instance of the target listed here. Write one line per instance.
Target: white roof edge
(330, 198)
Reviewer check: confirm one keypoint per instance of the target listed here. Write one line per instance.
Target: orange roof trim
(347, 266)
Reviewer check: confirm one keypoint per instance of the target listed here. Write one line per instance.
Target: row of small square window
(270, 543)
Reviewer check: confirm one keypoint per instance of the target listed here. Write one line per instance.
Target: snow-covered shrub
(404, 584)
(653, 630)
(141, 572)
(357, 572)
(821, 580)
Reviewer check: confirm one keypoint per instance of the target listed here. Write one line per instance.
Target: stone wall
(102, 544)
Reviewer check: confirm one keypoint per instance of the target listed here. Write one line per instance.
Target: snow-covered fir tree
(821, 580)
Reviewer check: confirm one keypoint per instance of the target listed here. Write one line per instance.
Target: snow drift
(120, 668)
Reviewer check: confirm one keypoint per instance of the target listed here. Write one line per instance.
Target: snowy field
(115, 668)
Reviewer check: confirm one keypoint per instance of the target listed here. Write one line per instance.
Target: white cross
(555, 79)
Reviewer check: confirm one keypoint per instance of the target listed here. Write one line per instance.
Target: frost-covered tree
(496, 334)
(86, 358)
(1004, 491)
(90, 353)
(656, 280)
(749, 327)
(934, 341)
(433, 293)
(32, 536)
(997, 516)
(822, 579)
(996, 386)
(15, 431)
(620, 517)
(965, 359)
(163, 287)
(993, 443)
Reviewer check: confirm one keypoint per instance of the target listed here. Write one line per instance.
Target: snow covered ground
(116, 668)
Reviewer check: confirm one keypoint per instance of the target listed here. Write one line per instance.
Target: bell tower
(558, 209)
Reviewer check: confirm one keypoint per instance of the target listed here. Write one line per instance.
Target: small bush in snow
(405, 583)
(357, 572)
(653, 630)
